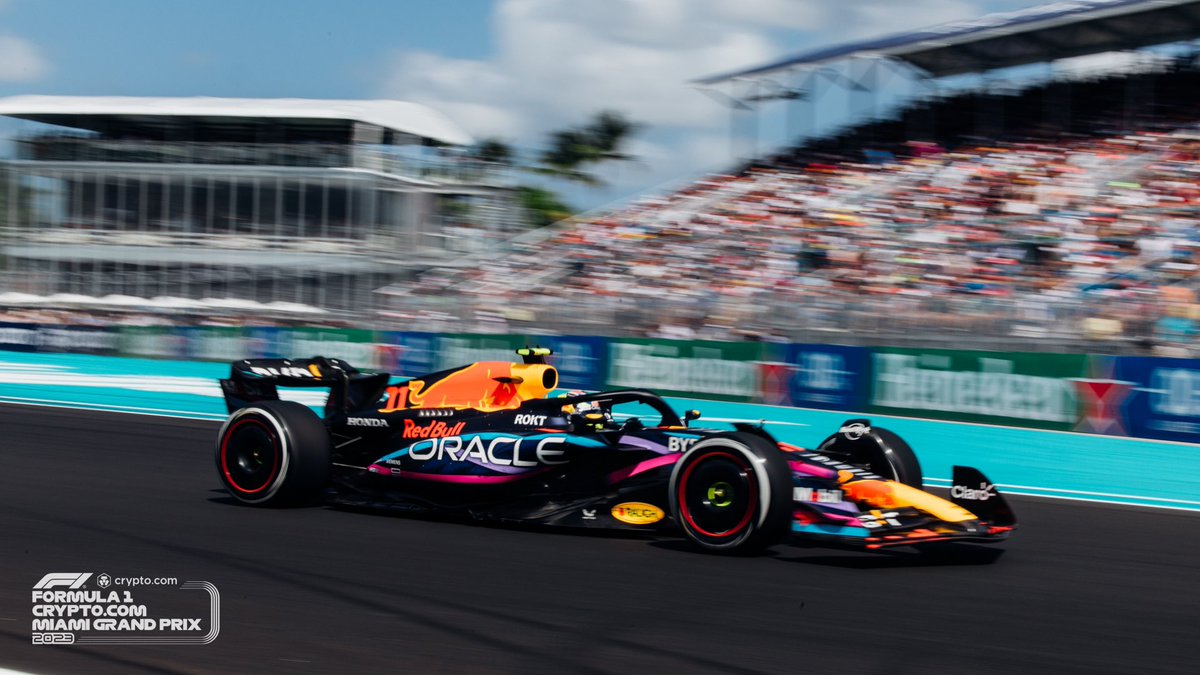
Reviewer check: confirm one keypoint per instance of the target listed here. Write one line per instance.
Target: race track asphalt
(1081, 588)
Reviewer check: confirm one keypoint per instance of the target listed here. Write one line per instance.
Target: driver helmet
(591, 413)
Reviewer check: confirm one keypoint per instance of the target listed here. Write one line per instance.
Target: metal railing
(433, 166)
(1028, 323)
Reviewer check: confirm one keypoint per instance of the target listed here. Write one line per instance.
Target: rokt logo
(72, 580)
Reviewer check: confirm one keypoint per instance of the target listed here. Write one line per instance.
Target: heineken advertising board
(221, 343)
(1018, 389)
(452, 351)
(152, 342)
(723, 371)
(356, 347)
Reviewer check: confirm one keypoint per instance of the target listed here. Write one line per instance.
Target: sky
(510, 69)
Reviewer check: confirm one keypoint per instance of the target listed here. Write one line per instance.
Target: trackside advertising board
(356, 347)
(1154, 398)
(152, 342)
(1017, 389)
(452, 351)
(828, 377)
(407, 354)
(36, 337)
(1145, 397)
(582, 362)
(722, 371)
(220, 343)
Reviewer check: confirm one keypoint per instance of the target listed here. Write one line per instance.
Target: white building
(294, 200)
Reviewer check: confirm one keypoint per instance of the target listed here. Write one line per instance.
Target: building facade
(299, 201)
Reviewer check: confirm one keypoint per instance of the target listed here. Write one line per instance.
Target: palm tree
(610, 130)
(495, 151)
(572, 152)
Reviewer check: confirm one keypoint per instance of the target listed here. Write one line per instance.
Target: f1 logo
(72, 580)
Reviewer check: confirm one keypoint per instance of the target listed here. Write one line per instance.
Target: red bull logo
(434, 429)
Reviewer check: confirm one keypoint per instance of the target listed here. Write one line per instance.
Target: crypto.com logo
(71, 580)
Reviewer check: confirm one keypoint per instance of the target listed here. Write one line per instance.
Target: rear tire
(274, 453)
(732, 494)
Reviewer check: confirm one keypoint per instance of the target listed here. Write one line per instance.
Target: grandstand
(240, 202)
(1062, 215)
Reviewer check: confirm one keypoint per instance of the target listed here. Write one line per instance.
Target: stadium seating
(1071, 232)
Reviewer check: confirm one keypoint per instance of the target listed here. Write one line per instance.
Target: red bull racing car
(490, 441)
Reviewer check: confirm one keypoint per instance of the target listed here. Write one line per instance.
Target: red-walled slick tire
(732, 494)
(273, 453)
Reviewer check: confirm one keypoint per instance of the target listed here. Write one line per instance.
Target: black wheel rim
(250, 456)
(718, 495)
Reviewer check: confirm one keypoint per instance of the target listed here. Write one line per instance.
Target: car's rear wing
(252, 380)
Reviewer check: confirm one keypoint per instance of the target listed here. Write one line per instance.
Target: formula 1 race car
(489, 441)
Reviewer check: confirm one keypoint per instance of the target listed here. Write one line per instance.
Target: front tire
(875, 449)
(900, 459)
(732, 494)
(273, 453)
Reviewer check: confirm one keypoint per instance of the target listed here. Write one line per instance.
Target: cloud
(559, 61)
(857, 20)
(840, 20)
(20, 60)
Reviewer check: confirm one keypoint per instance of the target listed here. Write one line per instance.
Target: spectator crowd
(1090, 237)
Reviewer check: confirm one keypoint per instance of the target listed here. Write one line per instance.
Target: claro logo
(984, 492)
(637, 513)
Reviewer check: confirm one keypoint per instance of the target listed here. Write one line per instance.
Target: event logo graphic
(63, 579)
(67, 609)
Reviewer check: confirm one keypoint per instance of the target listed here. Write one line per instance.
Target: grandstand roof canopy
(1033, 35)
(204, 118)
